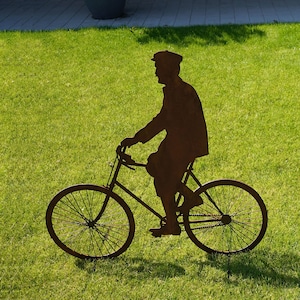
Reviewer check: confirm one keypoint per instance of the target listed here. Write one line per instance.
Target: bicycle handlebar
(126, 158)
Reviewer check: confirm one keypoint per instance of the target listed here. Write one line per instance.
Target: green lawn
(69, 97)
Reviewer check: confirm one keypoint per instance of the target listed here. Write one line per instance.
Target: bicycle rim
(70, 220)
(236, 222)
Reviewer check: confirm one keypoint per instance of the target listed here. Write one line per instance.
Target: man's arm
(148, 132)
(128, 142)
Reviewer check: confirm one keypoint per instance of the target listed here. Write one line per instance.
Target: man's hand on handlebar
(128, 142)
(125, 158)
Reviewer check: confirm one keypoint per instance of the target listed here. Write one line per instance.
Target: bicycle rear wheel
(70, 220)
(233, 218)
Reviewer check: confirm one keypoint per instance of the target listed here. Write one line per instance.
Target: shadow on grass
(132, 268)
(266, 267)
(278, 269)
(201, 35)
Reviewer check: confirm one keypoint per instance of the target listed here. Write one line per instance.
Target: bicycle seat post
(185, 180)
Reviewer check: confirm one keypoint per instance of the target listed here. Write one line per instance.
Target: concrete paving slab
(31, 15)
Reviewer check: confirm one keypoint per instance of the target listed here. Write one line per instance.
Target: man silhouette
(181, 116)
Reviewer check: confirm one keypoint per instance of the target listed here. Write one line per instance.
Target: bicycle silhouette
(92, 222)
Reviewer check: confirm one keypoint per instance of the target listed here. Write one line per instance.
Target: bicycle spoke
(71, 222)
(74, 208)
(107, 242)
(241, 225)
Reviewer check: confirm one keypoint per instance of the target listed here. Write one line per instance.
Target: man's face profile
(167, 66)
(160, 72)
(164, 73)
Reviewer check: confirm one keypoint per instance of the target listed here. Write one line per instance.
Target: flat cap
(167, 57)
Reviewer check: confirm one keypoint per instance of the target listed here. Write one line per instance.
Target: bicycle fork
(110, 187)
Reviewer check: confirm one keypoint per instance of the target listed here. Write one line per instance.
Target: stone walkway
(72, 14)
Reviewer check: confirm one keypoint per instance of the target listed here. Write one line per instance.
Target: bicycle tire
(70, 216)
(240, 225)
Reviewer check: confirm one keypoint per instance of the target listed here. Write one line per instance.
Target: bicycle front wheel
(233, 218)
(72, 222)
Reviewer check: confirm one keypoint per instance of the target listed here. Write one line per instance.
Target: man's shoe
(164, 230)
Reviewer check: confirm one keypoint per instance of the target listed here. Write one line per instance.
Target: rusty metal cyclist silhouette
(222, 216)
(182, 118)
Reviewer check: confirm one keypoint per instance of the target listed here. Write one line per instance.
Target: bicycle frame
(123, 159)
(114, 182)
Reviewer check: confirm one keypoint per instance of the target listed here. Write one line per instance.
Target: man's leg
(168, 202)
(166, 187)
(171, 226)
(190, 199)
(167, 173)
